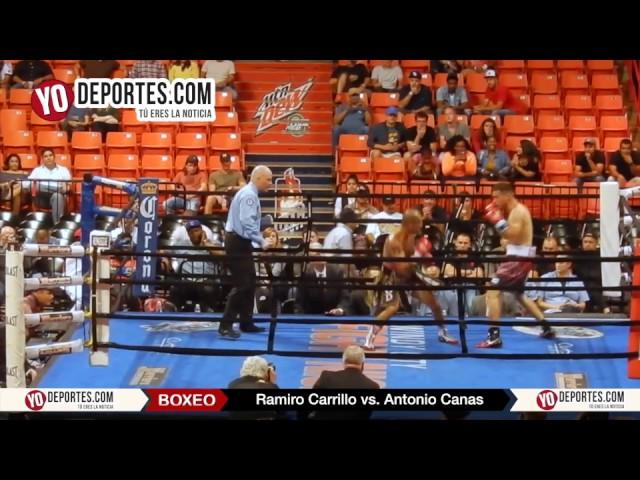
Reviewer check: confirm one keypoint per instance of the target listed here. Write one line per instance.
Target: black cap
(388, 200)
(415, 74)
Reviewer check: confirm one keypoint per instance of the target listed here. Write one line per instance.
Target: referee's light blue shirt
(244, 215)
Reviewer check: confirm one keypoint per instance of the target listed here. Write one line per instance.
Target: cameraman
(256, 374)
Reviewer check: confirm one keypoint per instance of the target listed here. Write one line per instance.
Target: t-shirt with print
(381, 134)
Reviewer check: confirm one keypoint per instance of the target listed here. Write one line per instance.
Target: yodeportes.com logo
(35, 400)
(547, 399)
(154, 99)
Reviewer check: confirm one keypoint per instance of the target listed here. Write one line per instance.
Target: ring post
(634, 333)
(100, 300)
(15, 324)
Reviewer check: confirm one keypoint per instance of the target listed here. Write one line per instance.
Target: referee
(243, 229)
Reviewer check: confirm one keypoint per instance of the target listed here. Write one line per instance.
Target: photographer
(256, 374)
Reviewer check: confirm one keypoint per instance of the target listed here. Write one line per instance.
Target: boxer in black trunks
(403, 244)
(517, 229)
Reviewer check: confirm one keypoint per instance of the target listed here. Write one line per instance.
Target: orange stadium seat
(381, 100)
(360, 166)
(12, 120)
(130, 123)
(378, 117)
(578, 105)
(88, 163)
(64, 64)
(58, 141)
(577, 143)
(554, 148)
(440, 80)
(550, 126)
(355, 145)
(214, 164)
(160, 143)
(204, 127)
(583, 125)
(397, 188)
(485, 187)
(605, 66)
(475, 83)
(571, 65)
(18, 141)
(516, 82)
(121, 165)
(517, 66)
(476, 121)
(409, 120)
(610, 145)
(3, 97)
(346, 62)
(86, 142)
(546, 105)
(574, 83)
(389, 169)
(542, 66)
(20, 98)
(525, 98)
(610, 105)
(192, 144)
(229, 142)
(170, 128)
(605, 84)
(156, 166)
(120, 73)
(614, 126)
(456, 187)
(589, 207)
(29, 161)
(67, 75)
(511, 144)
(64, 159)
(224, 102)
(519, 125)
(463, 119)
(225, 122)
(420, 187)
(422, 65)
(535, 205)
(558, 170)
(544, 84)
(563, 208)
(121, 143)
(39, 124)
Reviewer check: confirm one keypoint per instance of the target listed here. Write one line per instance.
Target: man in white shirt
(223, 72)
(341, 236)
(374, 230)
(51, 194)
(386, 77)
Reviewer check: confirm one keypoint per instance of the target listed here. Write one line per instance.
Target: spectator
(105, 120)
(12, 187)
(184, 69)
(314, 236)
(590, 272)
(561, 300)
(37, 300)
(6, 72)
(459, 161)
(321, 291)
(421, 142)
(388, 138)
(77, 120)
(351, 188)
(416, 97)
(589, 164)
(524, 167)
(148, 69)
(624, 165)
(351, 377)
(256, 374)
(225, 181)
(488, 129)
(122, 267)
(494, 163)
(180, 235)
(463, 214)
(389, 212)
(452, 96)
(350, 78)
(550, 246)
(351, 118)
(265, 294)
(223, 72)
(498, 99)
(465, 269)
(446, 66)
(341, 236)
(31, 73)
(451, 128)
(431, 211)
(386, 77)
(51, 194)
(98, 68)
(424, 167)
(362, 206)
(193, 180)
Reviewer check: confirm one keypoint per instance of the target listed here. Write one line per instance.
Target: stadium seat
(463, 119)
(29, 161)
(64, 159)
(3, 98)
(224, 102)
(535, 205)
(516, 66)
(574, 83)
(229, 142)
(584, 125)
(422, 65)
(525, 99)
(18, 141)
(605, 84)
(558, 170)
(57, 141)
(516, 82)
(426, 78)
(396, 188)
(554, 148)
(550, 126)
(577, 143)
(214, 164)
(570, 65)
(562, 208)
(519, 125)
(86, 142)
(60, 64)
(12, 120)
(614, 126)
(353, 145)
(546, 105)
(610, 105)
(226, 122)
(160, 143)
(39, 124)
(476, 121)
(88, 163)
(170, 128)
(475, 83)
(605, 66)
(360, 166)
(130, 123)
(589, 207)
(156, 166)
(121, 143)
(192, 144)
(123, 165)
(610, 145)
(380, 101)
(578, 105)
(66, 75)
(544, 84)
(541, 66)
(389, 169)
(409, 120)
(20, 98)
(511, 144)
(120, 73)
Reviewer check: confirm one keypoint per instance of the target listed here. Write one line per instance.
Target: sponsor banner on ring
(576, 332)
(147, 235)
(576, 400)
(72, 400)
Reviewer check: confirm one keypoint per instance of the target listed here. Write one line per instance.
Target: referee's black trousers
(243, 277)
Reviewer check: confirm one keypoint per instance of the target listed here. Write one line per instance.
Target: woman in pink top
(193, 180)
(459, 161)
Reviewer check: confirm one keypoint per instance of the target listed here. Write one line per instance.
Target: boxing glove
(423, 247)
(493, 215)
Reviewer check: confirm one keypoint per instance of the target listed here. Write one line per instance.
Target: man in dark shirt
(416, 97)
(589, 164)
(255, 374)
(98, 68)
(351, 118)
(388, 138)
(350, 78)
(624, 166)
(31, 73)
(590, 272)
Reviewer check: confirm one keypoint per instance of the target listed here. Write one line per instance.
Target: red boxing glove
(423, 247)
(494, 216)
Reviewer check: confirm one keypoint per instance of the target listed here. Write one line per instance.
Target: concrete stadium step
(245, 114)
(253, 105)
(286, 138)
(266, 87)
(282, 76)
(291, 149)
(313, 96)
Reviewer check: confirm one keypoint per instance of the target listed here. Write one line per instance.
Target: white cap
(490, 74)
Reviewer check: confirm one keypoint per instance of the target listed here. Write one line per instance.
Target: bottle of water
(197, 309)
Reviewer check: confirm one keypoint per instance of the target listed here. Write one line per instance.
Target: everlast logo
(12, 320)
(12, 372)
(281, 103)
(13, 271)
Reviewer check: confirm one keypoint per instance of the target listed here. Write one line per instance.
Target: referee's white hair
(255, 367)
(259, 171)
(353, 355)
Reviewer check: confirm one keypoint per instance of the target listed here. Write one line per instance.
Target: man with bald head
(243, 230)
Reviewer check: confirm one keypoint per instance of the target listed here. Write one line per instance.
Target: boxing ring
(183, 350)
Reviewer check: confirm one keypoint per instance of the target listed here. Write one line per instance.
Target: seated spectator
(184, 69)
(314, 296)
(590, 272)
(459, 161)
(624, 166)
(77, 120)
(561, 300)
(11, 186)
(488, 129)
(416, 97)
(31, 73)
(388, 139)
(6, 72)
(463, 213)
(498, 99)
(362, 206)
(105, 120)
(474, 66)
(51, 194)
(341, 236)
(193, 179)
(314, 236)
(451, 128)
(448, 299)
(180, 235)
(148, 69)
(589, 166)
(431, 212)
(446, 66)
(225, 182)
(424, 167)
(389, 212)
(256, 374)
(223, 72)
(351, 188)
(421, 142)
(494, 163)
(352, 78)
(525, 164)
(266, 294)
(466, 269)
(386, 77)
(123, 267)
(98, 68)
(351, 118)
(453, 96)
(550, 246)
